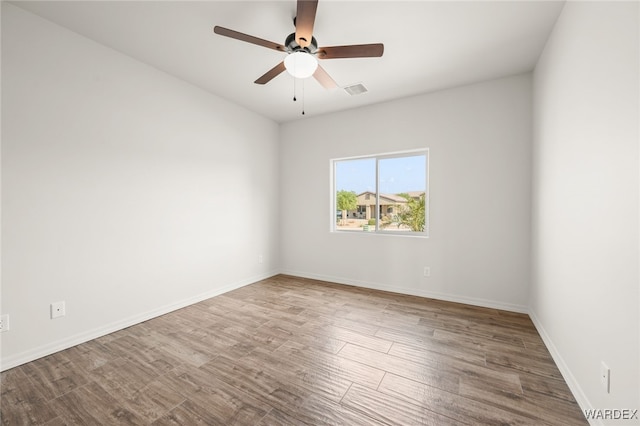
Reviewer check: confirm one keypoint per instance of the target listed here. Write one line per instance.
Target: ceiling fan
(302, 48)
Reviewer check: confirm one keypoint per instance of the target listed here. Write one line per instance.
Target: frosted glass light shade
(300, 64)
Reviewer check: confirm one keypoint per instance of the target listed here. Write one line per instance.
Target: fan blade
(352, 51)
(306, 15)
(325, 79)
(271, 74)
(249, 39)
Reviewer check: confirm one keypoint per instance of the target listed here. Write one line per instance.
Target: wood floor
(291, 351)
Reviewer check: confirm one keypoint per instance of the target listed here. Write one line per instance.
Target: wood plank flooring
(292, 351)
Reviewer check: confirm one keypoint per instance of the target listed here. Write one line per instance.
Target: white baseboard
(569, 378)
(41, 351)
(48, 349)
(413, 292)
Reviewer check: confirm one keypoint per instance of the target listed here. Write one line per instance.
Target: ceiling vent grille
(356, 89)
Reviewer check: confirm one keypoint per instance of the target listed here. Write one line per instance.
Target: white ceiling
(429, 45)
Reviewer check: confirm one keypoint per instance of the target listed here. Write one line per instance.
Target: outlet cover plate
(605, 377)
(4, 323)
(57, 310)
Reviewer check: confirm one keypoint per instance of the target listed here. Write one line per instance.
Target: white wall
(125, 192)
(479, 138)
(128, 193)
(584, 296)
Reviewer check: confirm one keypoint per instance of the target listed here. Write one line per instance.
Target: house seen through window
(386, 193)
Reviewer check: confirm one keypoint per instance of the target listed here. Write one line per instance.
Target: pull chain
(294, 93)
(294, 89)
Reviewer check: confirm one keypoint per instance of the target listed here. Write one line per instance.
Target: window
(386, 193)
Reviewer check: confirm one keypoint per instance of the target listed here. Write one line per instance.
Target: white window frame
(398, 154)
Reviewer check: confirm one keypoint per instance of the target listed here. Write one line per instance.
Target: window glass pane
(402, 186)
(383, 193)
(354, 180)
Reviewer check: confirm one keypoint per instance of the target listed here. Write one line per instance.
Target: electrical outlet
(4, 323)
(260, 259)
(427, 271)
(605, 377)
(57, 310)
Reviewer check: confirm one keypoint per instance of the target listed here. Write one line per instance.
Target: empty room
(320, 212)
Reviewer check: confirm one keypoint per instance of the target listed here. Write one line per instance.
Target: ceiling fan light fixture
(300, 64)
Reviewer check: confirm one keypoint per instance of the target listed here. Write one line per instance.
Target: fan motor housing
(292, 46)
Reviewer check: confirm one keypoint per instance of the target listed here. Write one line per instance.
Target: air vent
(356, 89)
